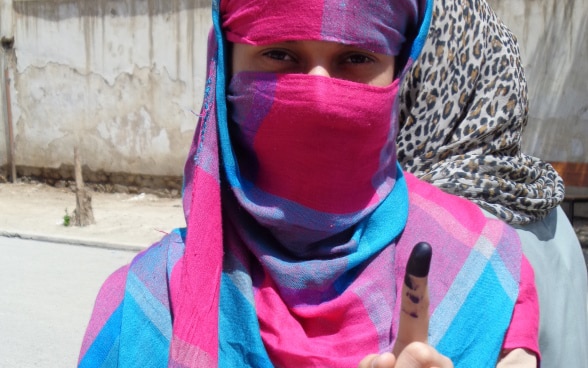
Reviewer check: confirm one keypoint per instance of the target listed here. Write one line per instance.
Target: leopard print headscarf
(463, 108)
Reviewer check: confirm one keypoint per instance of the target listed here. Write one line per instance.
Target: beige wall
(118, 77)
(553, 35)
(121, 78)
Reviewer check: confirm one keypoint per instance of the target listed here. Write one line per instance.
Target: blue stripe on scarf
(384, 224)
(226, 151)
(509, 284)
(421, 38)
(145, 345)
(378, 230)
(456, 297)
(240, 343)
(476, 310)
(104, 350)
(150, 307)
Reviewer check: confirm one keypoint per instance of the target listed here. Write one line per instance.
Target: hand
(411, 349)
(414, 355)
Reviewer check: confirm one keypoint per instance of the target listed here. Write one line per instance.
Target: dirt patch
(121, 218)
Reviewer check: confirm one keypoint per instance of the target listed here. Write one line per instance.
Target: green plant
(66, 218)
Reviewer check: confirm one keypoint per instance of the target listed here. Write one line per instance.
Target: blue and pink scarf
(270, 273)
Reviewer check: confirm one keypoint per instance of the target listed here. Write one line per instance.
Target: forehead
(373, 25)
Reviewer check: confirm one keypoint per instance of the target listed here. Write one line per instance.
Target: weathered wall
(553, 35)
(5, 23)
(120, 77)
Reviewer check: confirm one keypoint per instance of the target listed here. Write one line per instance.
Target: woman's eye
(278, 55)
(358, 59)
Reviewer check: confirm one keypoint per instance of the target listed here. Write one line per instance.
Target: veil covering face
(232, 289)
(265, 222)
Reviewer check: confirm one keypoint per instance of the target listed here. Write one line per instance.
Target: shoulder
(457, 229)
(444, 209)
(456, 215)
(166, 251)
(144, 280)
(475, 259)
(154, 263)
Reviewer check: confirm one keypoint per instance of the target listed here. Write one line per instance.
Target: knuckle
(421, 352)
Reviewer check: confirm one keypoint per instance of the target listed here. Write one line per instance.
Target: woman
(463, 110)
(300, 222)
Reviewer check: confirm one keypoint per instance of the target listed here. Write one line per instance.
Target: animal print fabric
(463, 108)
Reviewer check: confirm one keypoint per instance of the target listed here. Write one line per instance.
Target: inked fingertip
(419, 261)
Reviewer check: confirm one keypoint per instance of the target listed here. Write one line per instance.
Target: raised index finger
(414, 309)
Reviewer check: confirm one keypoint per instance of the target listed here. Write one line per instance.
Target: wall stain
(56, 10)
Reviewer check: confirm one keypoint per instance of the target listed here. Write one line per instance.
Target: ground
(123, 219)
(135, 220)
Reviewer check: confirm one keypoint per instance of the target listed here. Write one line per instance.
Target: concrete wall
(553, 35)
(5, 23)
(120, 78)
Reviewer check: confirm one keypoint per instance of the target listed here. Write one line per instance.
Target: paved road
(47, 291)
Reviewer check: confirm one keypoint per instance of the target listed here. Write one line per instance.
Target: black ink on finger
(417, 268)
(419, 261)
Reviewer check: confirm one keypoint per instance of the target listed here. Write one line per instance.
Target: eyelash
(351, 58)
(279, 55)
(365, 59)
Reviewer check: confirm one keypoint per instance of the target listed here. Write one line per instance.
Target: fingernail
(419, 261)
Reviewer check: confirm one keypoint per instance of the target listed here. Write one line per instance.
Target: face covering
(318, 144)
(311, 157)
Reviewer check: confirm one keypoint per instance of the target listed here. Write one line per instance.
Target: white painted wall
(553, 35)
(6, 30)
(120, 77)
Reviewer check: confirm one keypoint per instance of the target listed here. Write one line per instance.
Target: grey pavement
(50, 274)
(47, 291)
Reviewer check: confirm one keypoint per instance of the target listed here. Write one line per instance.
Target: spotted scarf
(463, 110)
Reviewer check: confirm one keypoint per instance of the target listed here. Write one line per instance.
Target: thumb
(414, 309)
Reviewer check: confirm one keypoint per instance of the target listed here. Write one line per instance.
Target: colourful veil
(212, 162)
(222, 292)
